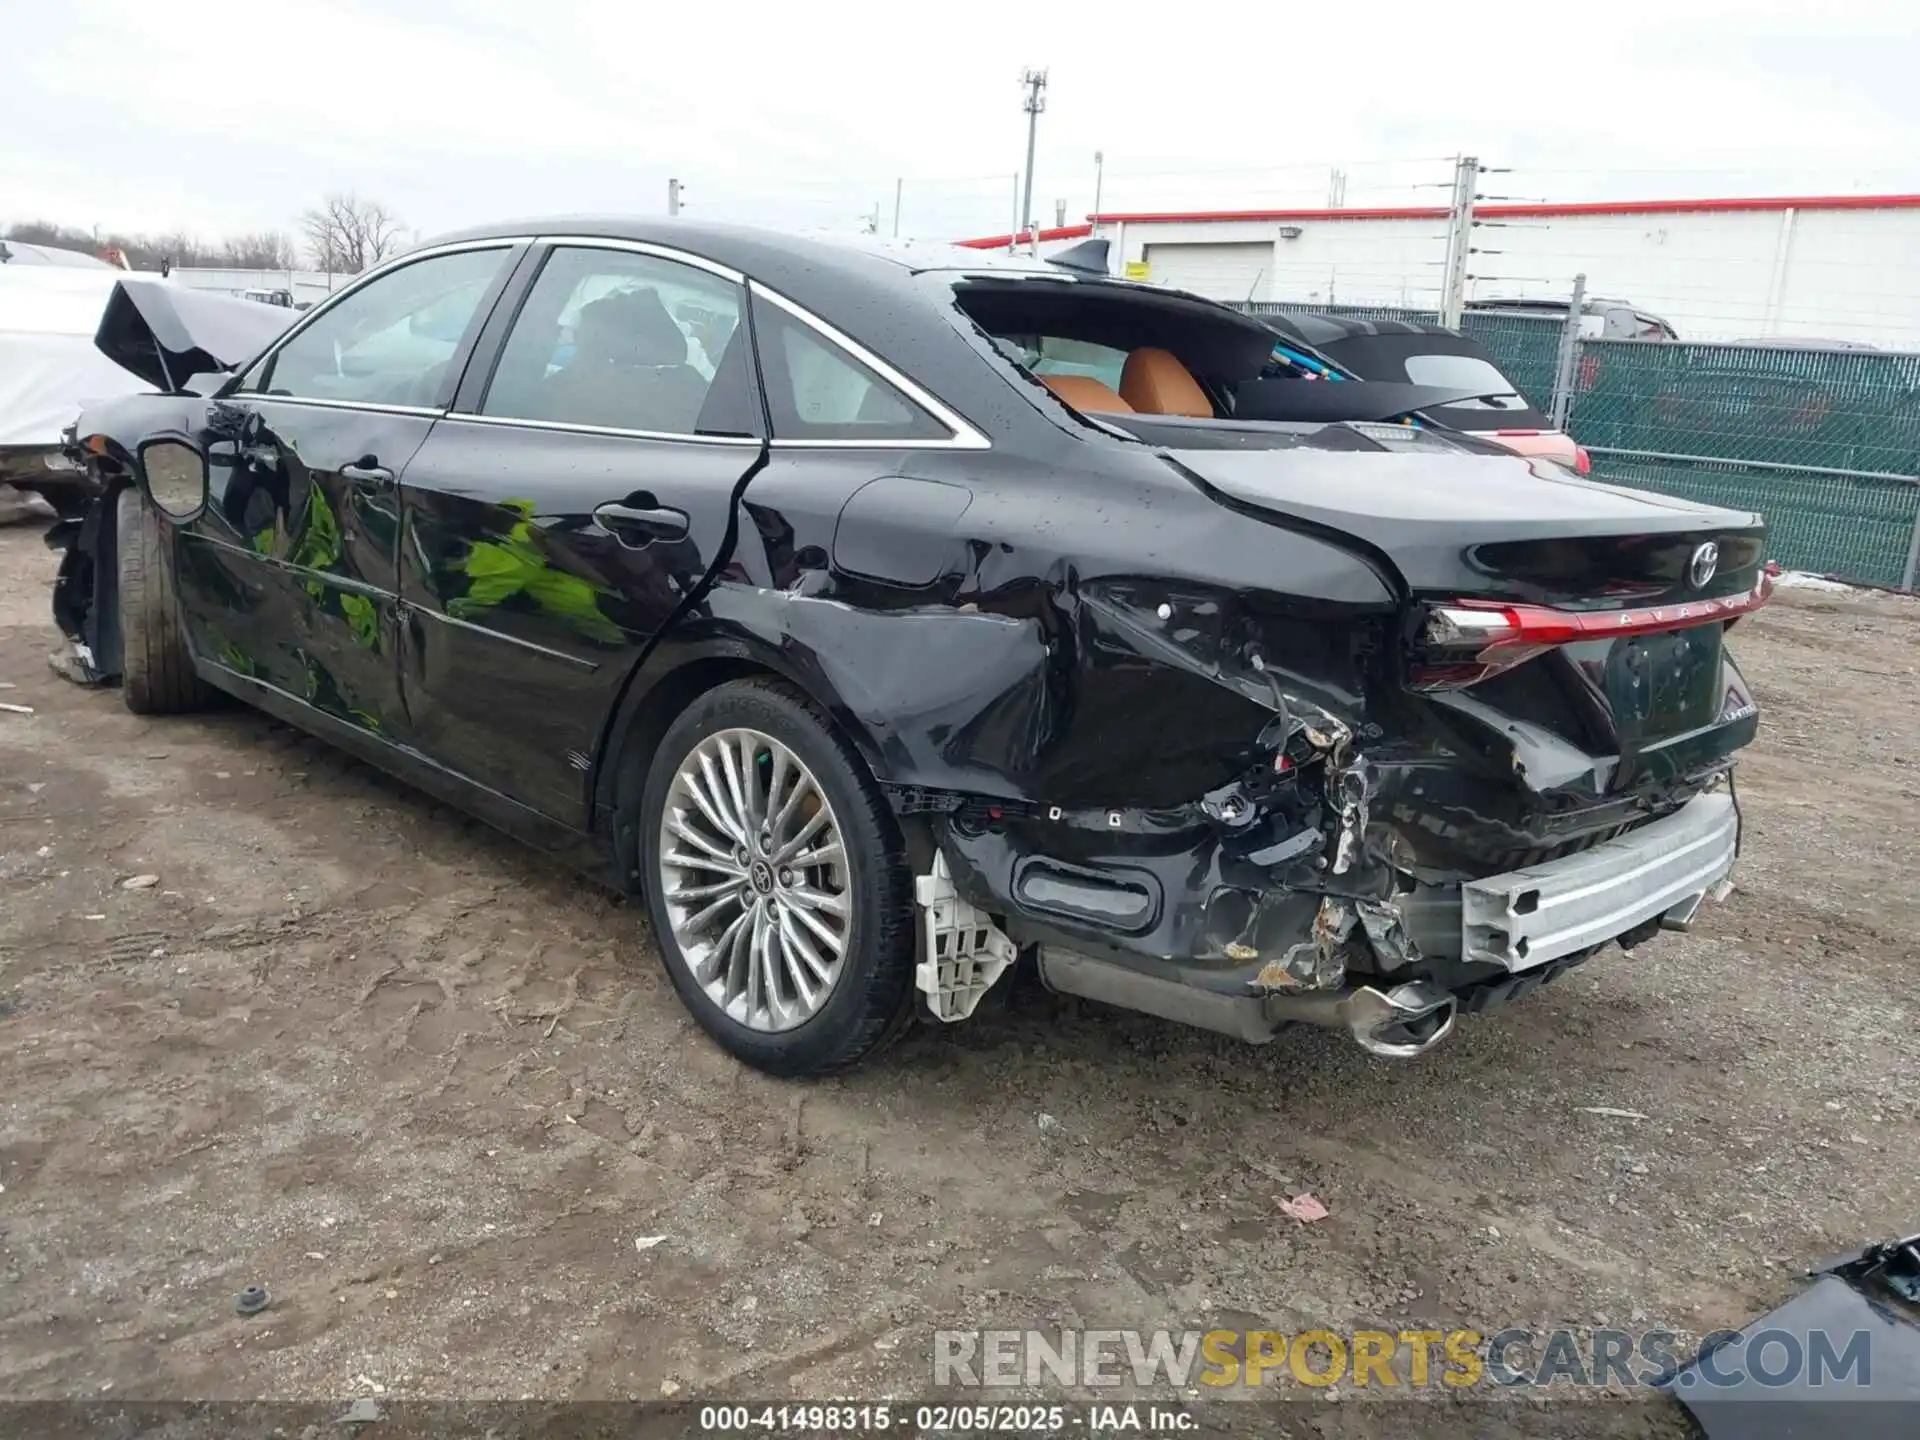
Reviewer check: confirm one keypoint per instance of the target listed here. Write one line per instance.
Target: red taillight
(1469, 640)
(1582, 462)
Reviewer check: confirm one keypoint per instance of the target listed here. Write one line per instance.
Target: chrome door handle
(367, 474)
(637, 526)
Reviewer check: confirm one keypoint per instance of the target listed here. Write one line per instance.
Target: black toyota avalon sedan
(890, 617)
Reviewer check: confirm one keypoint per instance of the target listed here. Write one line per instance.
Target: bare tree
(264, 250)
(347, 234)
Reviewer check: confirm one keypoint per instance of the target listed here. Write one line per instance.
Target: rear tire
(156, 670)
(868, 1000)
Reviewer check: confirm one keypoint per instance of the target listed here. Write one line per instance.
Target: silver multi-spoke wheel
(753, 875)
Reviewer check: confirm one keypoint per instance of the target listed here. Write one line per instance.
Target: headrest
(1154, 382)
(631, 327)
(1085, 393)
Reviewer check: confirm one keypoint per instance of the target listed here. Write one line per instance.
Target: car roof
(767, 255)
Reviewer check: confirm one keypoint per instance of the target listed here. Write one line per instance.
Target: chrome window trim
(646, 247)
(268, 397)
(614, 431)
(963, 436)
(817, 444)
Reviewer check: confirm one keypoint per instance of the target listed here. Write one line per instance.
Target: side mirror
(174, 475)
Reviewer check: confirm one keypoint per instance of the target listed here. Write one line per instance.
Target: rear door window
(817, 391)
(621, 340)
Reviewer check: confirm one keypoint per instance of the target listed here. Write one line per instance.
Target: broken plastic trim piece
(1851, 1343)
(1319, 962)
(962, 952)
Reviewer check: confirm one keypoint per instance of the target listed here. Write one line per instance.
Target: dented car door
(288, 577)
(577, 496)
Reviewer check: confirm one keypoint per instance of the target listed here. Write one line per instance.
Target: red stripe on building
(1491, 212)
(1592, 207)
(996, 242)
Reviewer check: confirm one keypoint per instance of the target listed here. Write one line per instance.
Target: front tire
(156, 670)
(777, 882)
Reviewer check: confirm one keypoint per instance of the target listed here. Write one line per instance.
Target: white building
(306, 286)
(1843, 267)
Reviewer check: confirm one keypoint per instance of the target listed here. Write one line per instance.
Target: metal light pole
(899, 184)
(1036, 101)
(673, 197)
(1099, 175)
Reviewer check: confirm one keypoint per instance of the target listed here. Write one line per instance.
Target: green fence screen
(1826, 409)
(1858, 529)
(1525, 347)
(1758, 427)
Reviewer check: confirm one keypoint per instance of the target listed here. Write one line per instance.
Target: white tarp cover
(49, 367)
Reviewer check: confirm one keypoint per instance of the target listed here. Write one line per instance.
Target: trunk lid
(1458, 525)
(1563, 675)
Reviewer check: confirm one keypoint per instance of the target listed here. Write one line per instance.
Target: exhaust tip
(1680, 917)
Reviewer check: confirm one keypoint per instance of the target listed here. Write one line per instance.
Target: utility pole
(1336, 189)
(1569, 346)
(673, 197)
(1453, 292)
(1099, 174)
(899, 184)
(1059, 214)
(1036, 101)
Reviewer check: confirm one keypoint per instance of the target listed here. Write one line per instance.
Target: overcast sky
(163, 114)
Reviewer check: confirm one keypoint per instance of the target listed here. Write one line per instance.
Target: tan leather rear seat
(1154, 382)
(1085, 393)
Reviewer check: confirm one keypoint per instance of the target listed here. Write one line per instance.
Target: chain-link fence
(1824, 442)
(1858, 526)
(1823, 409)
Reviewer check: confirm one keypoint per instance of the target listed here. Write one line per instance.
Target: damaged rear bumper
(1344, 962)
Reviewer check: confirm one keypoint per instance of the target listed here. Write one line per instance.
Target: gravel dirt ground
(430, 1091)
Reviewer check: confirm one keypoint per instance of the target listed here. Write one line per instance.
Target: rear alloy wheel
(778, 890)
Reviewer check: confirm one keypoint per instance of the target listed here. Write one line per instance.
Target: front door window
(391, 342)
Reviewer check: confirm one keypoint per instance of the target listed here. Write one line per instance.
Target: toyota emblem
(1700, 570)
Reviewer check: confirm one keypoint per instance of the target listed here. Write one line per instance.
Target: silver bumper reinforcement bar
(1530, 916)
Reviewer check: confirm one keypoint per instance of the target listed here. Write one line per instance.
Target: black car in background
(826, 597)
